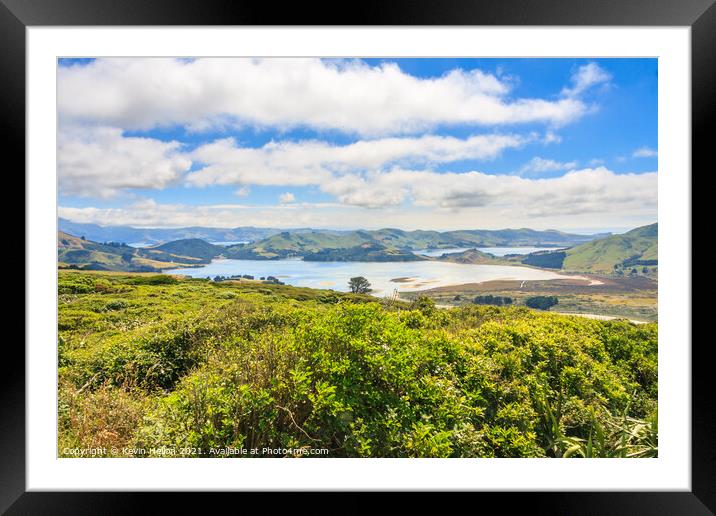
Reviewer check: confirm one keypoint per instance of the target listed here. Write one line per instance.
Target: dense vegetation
(546, 259)
(489, 299)
(542, 302)
(146, 363)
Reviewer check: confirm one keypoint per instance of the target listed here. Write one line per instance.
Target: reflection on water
(407, 276)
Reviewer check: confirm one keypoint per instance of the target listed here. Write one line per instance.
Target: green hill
(638, 247)
(191, 247)
(613, 254)
(473, 256)
(367, 252)
(396, 242)
(79, 253)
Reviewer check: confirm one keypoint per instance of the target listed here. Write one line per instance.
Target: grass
(194, 365)
(600, 256)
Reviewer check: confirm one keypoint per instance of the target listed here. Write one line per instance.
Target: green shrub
(159, 279)
(215, 366)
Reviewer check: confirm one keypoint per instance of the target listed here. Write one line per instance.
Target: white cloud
(552, 137)
(99, 161)
(244, 191)
(577, 192)
(589, 198)
(645, 152)
(348, 96)
(540, 165)
(286, 198)
(314, 162)
(584, 78)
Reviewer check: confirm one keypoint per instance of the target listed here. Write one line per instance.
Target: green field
(150, 361)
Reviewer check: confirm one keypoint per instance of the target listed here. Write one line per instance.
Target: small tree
(542, 302)
(359, 285)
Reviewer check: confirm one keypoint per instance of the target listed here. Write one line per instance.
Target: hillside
(314, 239)
(636, 248)
(192, 247)
(290, 244)
(367, 252)
(613, 254)
(474, 256)
(395, 241)
(76, 252)
(157, 362)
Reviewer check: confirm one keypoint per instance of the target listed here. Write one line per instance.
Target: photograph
(357, 257)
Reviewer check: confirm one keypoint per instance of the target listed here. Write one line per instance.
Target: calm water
(497, 251)
(335, 275)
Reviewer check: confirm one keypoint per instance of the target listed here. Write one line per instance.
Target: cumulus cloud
(582, 191)
(286, 198)
(585, 77)
(539, 165)
(645, 152)
(314, 162)
(244, 191)
(422, 199)
(100, 161)
(348, 96)
(213, 215)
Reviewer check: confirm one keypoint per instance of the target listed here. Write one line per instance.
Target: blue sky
(416, 143)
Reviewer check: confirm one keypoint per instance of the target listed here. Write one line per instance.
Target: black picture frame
(700, 15)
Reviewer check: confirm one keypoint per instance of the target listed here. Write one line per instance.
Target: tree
(359, 285)
(542, 302)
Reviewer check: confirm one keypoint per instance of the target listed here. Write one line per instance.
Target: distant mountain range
(152, 236)
(398, 238)
(585, 253)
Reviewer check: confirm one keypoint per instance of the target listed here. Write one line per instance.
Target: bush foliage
(201, 365)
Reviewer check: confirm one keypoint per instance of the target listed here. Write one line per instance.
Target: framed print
(440, 249)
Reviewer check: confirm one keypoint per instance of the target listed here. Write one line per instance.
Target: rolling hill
(78, 252)
(635, 248)
(391, 237)
(638, 247)
(191, 247)
(394, 242)
(475, 256)
(367, 252)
